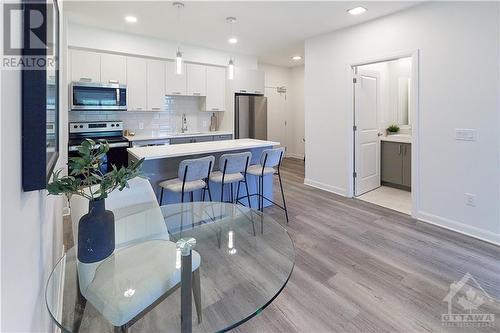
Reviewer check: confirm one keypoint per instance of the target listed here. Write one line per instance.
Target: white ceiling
(272, 31)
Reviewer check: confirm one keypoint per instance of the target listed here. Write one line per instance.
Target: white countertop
(400, 138)
(187, 149)
(157, 136)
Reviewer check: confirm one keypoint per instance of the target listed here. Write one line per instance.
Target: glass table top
(243, 258)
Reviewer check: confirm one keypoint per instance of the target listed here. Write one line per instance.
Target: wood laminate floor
(364, 268)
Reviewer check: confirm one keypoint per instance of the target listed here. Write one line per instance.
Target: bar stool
(234, 170)
(269, 159)
(192, 175)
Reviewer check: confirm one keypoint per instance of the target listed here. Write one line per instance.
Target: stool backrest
(271, 157)
(234, 163)
(197, 168)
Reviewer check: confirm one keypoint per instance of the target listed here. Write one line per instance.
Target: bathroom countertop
(158, 136)
(400, 138)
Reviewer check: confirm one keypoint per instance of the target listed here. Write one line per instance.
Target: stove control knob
(117, 125)
(76, 126)
(81, 126)
(112, 125)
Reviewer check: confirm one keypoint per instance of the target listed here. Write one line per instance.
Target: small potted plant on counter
(393, 129)
(96, 229)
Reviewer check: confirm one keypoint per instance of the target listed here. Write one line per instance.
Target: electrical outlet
(141, 125)
(470, 199)
(464, 134)
(204, 123)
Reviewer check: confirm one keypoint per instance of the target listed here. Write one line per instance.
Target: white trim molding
(293, 155)
(459, 227)
(325, 187)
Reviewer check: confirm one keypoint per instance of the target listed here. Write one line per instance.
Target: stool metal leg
(248, 193)
(161, 196)
(283, 195)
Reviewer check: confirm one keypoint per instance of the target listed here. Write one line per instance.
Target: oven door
(117, 155)
(98, 96)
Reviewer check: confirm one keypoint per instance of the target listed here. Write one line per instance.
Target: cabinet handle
(257, 92)
(215, 109)
(176, 93)
(399, 149)
(113, 81)
(85, 79)
(155, 108)
(196, 94)
(138, 108)
(243, 90)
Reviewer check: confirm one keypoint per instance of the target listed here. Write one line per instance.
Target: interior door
(276, 116)
(366, 134)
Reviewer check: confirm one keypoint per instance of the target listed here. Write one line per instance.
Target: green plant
(393, 128)
(86, 178)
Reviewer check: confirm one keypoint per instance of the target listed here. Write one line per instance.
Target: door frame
(414, 115)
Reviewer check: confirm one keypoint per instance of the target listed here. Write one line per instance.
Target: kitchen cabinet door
(85, 66)
(216, 89)
(256, 82)
(175, 84)
(392, 162)
(196, 77)
(407, 164)
(156, 85)
(136, 84)
(113, 68)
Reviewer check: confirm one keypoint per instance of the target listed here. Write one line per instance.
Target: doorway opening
(384, 103)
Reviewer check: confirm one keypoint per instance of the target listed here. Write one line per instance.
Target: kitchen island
(162, 162)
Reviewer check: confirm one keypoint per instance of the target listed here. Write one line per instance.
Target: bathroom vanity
(396, 161)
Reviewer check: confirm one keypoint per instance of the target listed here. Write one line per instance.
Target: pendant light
(178, 55)
(232, 40)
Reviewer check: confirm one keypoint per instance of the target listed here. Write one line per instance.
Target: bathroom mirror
(404, 101)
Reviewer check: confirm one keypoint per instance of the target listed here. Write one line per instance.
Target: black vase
(96, 233)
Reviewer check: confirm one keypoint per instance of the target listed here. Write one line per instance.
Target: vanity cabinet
(396, 164)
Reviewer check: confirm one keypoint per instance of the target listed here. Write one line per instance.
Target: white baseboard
(459, 227)
(293, 155)
(60, 292)
(325, 187)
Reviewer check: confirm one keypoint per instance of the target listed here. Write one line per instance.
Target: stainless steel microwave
(90, 96)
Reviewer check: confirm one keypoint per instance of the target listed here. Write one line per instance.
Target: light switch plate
(465, 134)
(470, 199)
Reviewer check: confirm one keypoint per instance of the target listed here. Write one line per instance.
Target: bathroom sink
(404, 138)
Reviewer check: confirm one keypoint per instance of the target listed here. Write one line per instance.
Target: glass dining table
(241, 260)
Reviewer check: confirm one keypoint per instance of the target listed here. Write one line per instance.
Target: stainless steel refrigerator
(250, 117)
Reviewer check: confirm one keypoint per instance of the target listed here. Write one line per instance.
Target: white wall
(106, 40)
(287, 107)
(459, 84)
(31, 226)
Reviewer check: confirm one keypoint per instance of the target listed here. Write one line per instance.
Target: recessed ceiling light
(131, 19)
(232, 40)
(296, 58)
(357, 10)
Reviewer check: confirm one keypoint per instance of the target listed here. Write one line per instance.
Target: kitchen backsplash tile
(158, 122)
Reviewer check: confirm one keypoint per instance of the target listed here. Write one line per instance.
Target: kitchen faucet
(184, 127)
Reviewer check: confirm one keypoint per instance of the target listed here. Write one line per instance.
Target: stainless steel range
(100, 131)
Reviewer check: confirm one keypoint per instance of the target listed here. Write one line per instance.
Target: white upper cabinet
(156, 85)
(175, 84)
(136, 83)
(113, 68)
(249, 81)
(216, 89)
(196, 76)
(85, 66)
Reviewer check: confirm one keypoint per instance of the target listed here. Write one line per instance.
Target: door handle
(379, 134)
